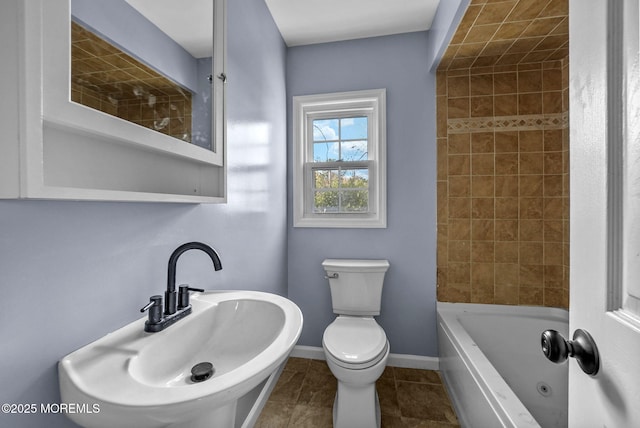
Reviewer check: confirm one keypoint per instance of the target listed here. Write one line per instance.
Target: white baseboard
(310, 352)
(395, 360)
(409, 361)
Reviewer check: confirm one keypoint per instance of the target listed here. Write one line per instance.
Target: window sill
(339, 221)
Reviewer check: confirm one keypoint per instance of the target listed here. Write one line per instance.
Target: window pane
(326, 178)
(354, 151)
(348, 201)
(354, 128)
(325, 152)
(355, 178)
(355, 201)
(326, 130)
(326, 202)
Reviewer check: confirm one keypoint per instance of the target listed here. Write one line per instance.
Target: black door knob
(582, 348)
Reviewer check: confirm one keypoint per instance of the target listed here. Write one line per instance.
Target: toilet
(355, 346)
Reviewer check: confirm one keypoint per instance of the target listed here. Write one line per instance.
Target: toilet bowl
(355, 346)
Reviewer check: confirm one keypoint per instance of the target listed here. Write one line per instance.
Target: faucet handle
(155, 308)
(183, 295)
(153, 301)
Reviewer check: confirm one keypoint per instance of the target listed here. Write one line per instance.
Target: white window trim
(315, 106)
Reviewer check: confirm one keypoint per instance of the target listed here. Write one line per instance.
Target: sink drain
(201, 372)
(544, 389)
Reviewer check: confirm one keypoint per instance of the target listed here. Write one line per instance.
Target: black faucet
(175, 311)
(170, 294)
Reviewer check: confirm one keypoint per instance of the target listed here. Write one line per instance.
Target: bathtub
(494, 369)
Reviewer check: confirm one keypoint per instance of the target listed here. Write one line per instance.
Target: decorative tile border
(509, 123)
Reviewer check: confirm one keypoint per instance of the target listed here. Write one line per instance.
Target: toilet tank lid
(355, 265)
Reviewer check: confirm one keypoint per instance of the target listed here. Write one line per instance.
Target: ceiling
(492, 32)
(509, 32)
(304, 22)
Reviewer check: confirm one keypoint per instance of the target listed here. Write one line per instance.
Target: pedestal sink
(144, 380)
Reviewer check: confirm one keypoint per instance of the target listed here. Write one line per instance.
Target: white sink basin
(140, 379)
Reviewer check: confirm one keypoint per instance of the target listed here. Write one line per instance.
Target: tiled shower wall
(503, 184)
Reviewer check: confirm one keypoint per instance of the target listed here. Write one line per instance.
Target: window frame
(306, 108)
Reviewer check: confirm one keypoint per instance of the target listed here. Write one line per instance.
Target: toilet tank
(356, 285)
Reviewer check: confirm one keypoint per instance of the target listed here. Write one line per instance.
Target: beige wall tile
(506, 185)
(532, 296)
(483, 185)
(553, 231)
(506, 142)
(507, 252)
(482, 230)
(459, 230)
(531, 185)
(506, 208)
(482, 252)
(481, 106)
(495, 13)
(531, 276)
(531, 208)
(530, 103)
(531, 141)
(482, 142)
(482, 164)
(506, 83)
(531, 230)
(532, 163)
(459, 273)
(459, 208)
(506, 105)
(530, 81)
(481, 84)
(461, 143)
(507, 275)
(506, 230)
(460, 186)
(507, 164)
(506, 295)
(482, 208)
(458, 107)
(552, 102)
(553, 185)
(459, 251)
(457, 86)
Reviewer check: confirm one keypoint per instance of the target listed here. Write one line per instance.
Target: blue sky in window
(353, 128)
(325, 130)
(332, 130)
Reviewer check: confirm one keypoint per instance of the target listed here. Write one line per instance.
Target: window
(339, 160)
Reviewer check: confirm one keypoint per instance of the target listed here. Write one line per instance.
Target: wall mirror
(119, 100)
(149, 62)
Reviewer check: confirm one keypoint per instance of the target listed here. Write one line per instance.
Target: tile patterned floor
(303, 398)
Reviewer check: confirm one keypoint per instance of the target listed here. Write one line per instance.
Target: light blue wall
(399, 64)
(73, 271)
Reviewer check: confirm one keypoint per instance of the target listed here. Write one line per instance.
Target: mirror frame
(64, 150)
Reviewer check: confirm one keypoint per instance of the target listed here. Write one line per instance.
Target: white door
(605, 209)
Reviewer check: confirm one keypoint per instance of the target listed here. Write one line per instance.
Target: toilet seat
(355, 342)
